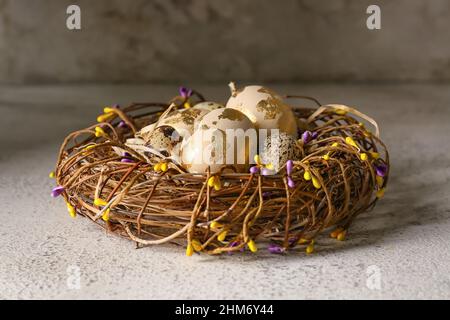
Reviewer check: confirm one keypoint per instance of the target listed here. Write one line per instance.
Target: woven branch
(335, 181)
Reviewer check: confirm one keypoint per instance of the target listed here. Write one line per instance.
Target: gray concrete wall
(177, 41)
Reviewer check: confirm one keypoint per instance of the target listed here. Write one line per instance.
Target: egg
(208, 105)
(224, 136)
(278, 149)
(164, 139)
(264, 108)
(184, 121)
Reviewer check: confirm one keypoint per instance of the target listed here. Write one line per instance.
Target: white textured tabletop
(399, 250)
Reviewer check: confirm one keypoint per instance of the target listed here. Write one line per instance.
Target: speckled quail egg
(279, 148)
(264, 108)
(164, 139)
(222, 137)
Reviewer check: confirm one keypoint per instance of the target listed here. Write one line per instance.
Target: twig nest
(264, 108)
(277, 149)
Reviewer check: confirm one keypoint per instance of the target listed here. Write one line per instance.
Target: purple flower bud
(314, 135)
(266, 172)
(306, 137)
(254, 170)
(276, 249)
(185, 92)
(127, 160)
(57, 191)
(235, 244)
(289, 167)
(266, 194)
(290, 182)
(381, 169)
(122, 124)
(126, 154)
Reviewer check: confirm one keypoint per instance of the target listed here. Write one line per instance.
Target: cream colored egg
(225, 119)
(278, 149)
(264, 108)
(208, 105)
(224, 137)
(184, 121)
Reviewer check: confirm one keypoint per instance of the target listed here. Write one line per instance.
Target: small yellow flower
(340, 112)
(196, 245)
(316, 183)
(310, 248)
(108, 110)
(351, 142)
(187, 105)
(380, 193)
(374, 155)
(269, 166)
(307, 175)
(215, 225)
(161, 167)
(335, 144)
(105, 215)
(303, 241)
(379, 180)
(214, 181)
(104, 117)
(71, 210)
(100, 202)
(51, 174)
(326, 157)
(336, 232)
(252, 246)
(257, 159)
(89, 147)
(222, 235)
(362, 125)
(341, 235)
(99, 132)
(189, 250)
(363, 156)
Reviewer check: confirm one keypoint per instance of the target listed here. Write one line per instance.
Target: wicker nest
(343, 172)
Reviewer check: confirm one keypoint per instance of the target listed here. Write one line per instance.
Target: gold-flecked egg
(279, 148)
(208, 105)
(184, 121)
(224, 137)
(264, 108)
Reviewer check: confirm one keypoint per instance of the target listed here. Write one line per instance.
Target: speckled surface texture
(406, 239)
(216, 40)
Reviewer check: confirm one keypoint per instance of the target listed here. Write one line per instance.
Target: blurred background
(215, 41)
